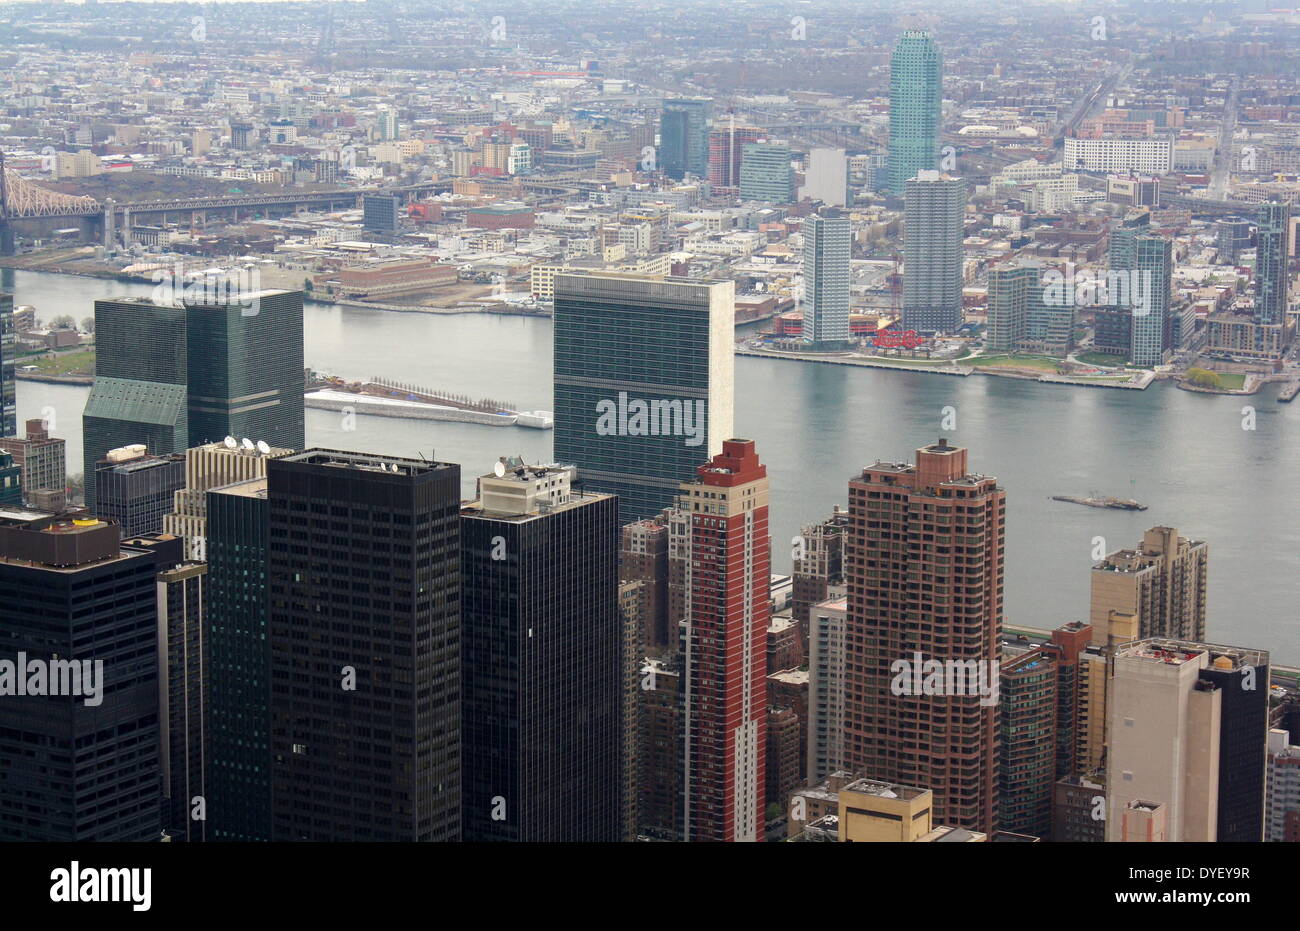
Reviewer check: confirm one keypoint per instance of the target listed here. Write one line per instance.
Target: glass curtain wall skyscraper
(915, 108)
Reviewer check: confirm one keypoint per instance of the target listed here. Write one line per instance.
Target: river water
(1185, 455)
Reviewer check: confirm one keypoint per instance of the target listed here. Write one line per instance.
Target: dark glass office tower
(643, 382)
(136, 490)
(542, 640)
(1243, 739)
(140, 383)
(82, 765)
(684, 137)
(177, 377)
(239, 664)
(915, 108)
(246, 369)
(8, 348)
(363, 578)
(183, 658)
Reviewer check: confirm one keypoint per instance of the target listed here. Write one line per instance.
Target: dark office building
(139, 395)
(176, 377)
(379, 212)
(643, 382)
(82, 765)
(1027, 750)
(239, 664)
(684, 137)
(1243, 739)
(182, 656)
(363, 586)
(8, 350)
(246, 370)
(135, 491)
(542, 644)
(660, 772)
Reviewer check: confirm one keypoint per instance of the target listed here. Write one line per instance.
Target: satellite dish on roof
(263, 447)
(499, 469)
(248, 444)
(230, 442)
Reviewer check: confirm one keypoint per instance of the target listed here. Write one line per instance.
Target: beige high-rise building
(1155, 590)
(206, 467)
(1187, 728)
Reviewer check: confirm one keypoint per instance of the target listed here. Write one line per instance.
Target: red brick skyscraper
(725, 646)
(924, 563)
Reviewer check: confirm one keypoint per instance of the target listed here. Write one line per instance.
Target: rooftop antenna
(263, 447)
(248, 444)
(499, 469)
(230, 442)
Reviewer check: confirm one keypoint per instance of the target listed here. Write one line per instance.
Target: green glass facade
(621, 341)
(766, 173)
(174, 377)
(915, 108)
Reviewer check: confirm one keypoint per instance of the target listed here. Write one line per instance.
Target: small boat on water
(1118, 504)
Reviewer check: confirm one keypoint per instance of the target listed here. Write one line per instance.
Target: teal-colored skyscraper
(684, 137)
(915, 108)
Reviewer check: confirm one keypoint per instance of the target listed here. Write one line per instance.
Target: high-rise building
(631, 605)
(1026, 316)
(542, 680)
(1282, 801)
(365, 723)
(766, 173)
(827, 622)
(644, 374)
(817, 565)
(245, 369)
(1028, 740)
(684, 137)
(827, 177)
(140, 391)
(1154, 263)
(380, 212)
(924, 564)
(724, 647)
(135, 490)
(659, 752)
(1272, 249)
(915, 108)
(174, 377)
(212, 465)
(726, 151)
(934, 212)
(643, 557)
(239, 664)
(80, 757)
(827, 253)
(386, 123)
(1157, 589)
(183, 670)
(1187, 733)
(42, 458)
(8, 367)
